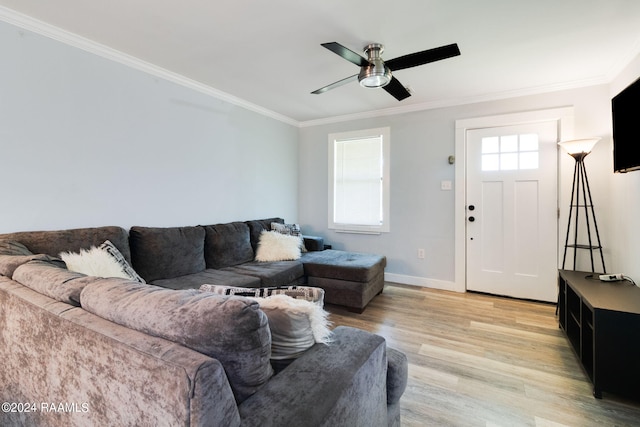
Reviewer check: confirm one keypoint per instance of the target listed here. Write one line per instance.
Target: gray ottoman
(350, 279)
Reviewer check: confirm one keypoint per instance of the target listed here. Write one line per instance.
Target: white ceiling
(268, 53)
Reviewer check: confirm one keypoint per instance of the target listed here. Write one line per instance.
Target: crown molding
(39, 27)
(42, 28)
(618, 67)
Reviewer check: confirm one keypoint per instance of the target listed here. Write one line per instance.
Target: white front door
(511, 210)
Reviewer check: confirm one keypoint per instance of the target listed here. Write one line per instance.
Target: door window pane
(510, 152)
(491, 145)
(529, 142)
(509, 144)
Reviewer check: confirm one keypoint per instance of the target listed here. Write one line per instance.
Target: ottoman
(349, 279)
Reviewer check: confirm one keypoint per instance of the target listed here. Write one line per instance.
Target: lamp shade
(579, 146)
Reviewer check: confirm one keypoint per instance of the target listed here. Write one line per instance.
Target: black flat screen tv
(625, 108)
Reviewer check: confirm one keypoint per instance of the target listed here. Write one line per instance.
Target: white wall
(422, 215)
(625, 201)
(85, 141)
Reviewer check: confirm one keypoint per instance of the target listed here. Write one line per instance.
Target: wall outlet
(421, 253)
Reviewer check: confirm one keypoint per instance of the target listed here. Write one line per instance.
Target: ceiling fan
(376, 73)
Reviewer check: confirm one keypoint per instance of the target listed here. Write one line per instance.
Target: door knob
(471, 219)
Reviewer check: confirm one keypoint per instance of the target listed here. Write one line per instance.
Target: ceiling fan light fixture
(376, 74)
(374, 77)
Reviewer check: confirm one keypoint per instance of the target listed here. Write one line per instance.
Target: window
(510, 152)
(359, 181)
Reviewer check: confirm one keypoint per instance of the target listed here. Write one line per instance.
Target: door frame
(562, 115)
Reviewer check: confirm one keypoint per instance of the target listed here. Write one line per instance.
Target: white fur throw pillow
(103, 261)
(274, 246)
(295, 324)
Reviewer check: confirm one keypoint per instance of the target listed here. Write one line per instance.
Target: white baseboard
(423, 281)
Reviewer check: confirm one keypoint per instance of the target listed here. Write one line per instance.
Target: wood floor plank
(481, 360)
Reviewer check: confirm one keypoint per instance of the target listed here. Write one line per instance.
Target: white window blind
(358, 196)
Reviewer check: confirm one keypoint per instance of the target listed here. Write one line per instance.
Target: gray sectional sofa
(187, 257)
(82, 350)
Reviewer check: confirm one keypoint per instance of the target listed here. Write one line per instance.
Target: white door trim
(564, 117)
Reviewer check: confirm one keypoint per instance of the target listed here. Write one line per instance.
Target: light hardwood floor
(480, 360)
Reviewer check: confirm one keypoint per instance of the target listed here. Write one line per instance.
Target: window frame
(384, 226)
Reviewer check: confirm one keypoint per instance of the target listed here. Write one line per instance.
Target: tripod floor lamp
(581, 203)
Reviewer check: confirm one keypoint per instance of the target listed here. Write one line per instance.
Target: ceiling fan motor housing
(376, 74)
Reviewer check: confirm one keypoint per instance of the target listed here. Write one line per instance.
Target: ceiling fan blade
(347, 54)
(336, 84)
(396, 89)
(424, 57)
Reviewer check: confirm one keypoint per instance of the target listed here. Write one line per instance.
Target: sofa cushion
(227, 244)
(9, 263)
(276, 273)
(257, 226)
(313, 243)
(348, 391)
(54, 242)
(232, 330)
(274, 246)
(164, 253)
(51, 278)
(102, 261)
(219, 277)
(351, 266)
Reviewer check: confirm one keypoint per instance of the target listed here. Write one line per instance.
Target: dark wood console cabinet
(602, 322)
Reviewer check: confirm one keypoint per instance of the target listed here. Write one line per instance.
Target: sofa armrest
(342, 383)
(125, 377)
(313, 243)
(397, 375)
